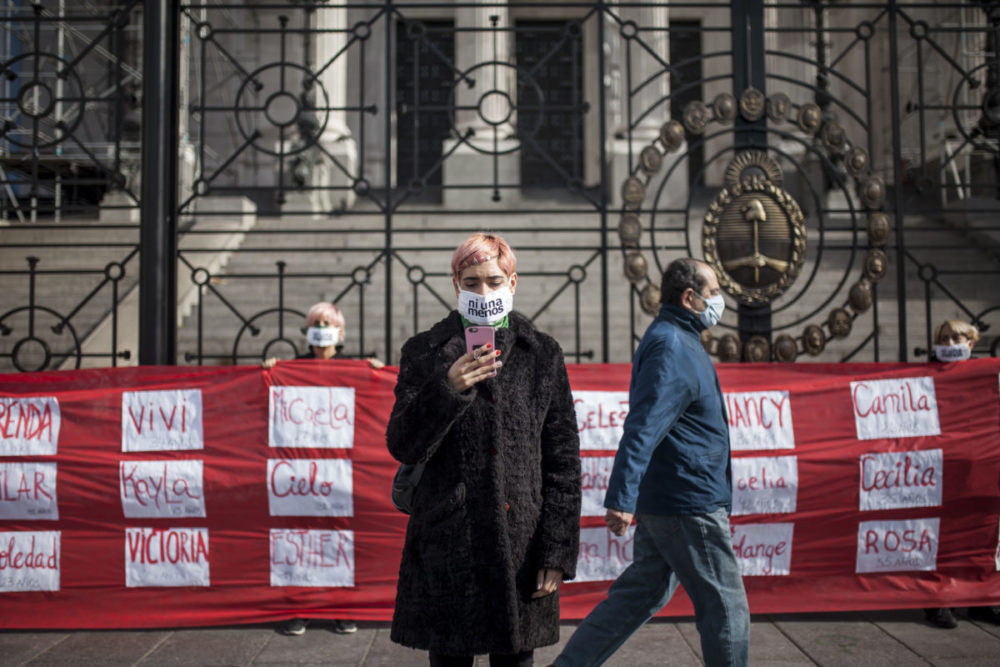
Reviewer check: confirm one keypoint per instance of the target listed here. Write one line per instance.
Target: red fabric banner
(148, 497)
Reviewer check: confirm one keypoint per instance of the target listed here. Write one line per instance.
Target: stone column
(485, 100)
(329, 38)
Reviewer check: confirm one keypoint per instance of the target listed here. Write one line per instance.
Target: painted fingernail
(498, 353)
(489, 345)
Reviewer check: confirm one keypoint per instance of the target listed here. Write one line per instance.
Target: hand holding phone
(476, 337)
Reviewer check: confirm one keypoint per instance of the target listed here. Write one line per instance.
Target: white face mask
(714, 306)
(485, 309)
(323, 336)
(958, 352)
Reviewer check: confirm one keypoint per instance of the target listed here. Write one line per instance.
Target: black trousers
(523, 659)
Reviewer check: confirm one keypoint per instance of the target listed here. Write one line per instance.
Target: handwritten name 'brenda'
(35, 557)
(297, 411)
(896, 401)
(149, 489)
(25, 419)
(904, 474)
(603, 417)
(171, 545)
(748, 411)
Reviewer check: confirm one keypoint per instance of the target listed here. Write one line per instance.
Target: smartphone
(476, 337)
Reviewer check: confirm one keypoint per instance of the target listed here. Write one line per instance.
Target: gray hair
(679, 276)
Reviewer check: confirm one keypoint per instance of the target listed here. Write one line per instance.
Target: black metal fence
(325, 151)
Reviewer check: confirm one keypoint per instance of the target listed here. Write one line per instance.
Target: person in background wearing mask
(325, 333)
(954, 341)
(673, 470)
(495, 525)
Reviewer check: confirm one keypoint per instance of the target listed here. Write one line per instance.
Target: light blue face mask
(714, 306)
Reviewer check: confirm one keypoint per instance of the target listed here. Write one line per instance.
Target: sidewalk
(850, 639)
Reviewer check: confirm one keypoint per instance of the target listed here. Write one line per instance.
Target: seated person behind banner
(954, 341)
(495, 525)
(325, 332)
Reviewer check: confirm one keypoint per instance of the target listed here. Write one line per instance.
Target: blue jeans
(695, 551)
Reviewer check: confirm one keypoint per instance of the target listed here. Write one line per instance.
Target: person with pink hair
(325, 329)
(494, 523)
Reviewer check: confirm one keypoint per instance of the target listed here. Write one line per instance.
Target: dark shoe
(295, 627)
(942, 618)
(345, 627)
(988, 614)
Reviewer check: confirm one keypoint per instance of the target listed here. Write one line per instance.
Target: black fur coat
(498, 500)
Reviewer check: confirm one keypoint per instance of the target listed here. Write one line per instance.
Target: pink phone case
(476, 337)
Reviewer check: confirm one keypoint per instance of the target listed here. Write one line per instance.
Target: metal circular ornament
(856, 161)
(649, 299)
(785, 349)
(878, 228)
(633, 192)
(752, 104)
(650, 160)
(777, 107)
(724, 107)
(757, 350)
(672, 135)
(730, 349)
(635, 267)
(754, 237)
(813, 339)
(860, 297)
(810, 117)
(872, 191)
(839, 322)
(629, 230)
(834, 137)
(876, 264)
(696, 116)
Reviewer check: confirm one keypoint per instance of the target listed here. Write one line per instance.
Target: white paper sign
(163, 489)
(29, 426)
(760, 420)
(899, 408)
(166, 557)
(311, 417)
(28, 491)
(594, 474)
(600, 416)
(764, 549)
(161, 420)
(312, 557)
(29, 561)
(901, 479)
(310, 487)
(896, 546)
(765, 485)
(603, 555)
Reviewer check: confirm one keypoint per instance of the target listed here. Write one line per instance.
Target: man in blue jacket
(673, 470)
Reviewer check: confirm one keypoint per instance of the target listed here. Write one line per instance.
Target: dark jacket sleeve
(426, 406)
(560, 520)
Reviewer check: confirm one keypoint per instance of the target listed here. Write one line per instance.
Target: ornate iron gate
(836, 162)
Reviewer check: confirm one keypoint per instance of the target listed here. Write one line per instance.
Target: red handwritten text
(297, 411)
(15, 486)
(866, 402)
(149, 489)
(301, 486)
(747, 411)
(906, 541)
(33, 558)
(26, 420)
(308, 549)
(170, 545)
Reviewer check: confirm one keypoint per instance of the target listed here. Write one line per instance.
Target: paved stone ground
(850, 639)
